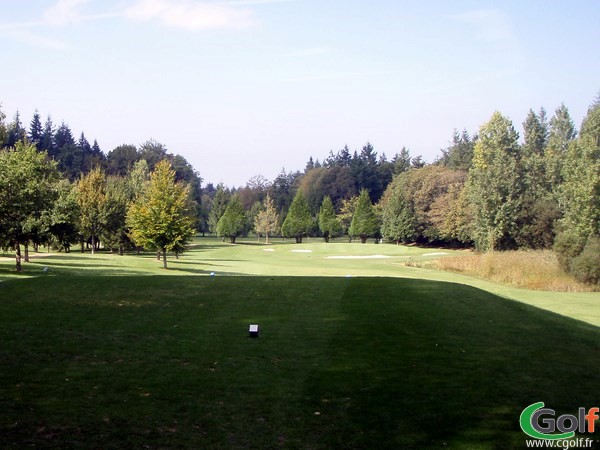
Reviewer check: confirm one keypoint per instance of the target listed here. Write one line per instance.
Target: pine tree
(298, 222)
(35, 130)
(329, 224)
(364, 221)
(47, 142)
(162, 216)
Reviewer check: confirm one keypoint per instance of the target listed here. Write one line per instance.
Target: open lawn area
(356, 350)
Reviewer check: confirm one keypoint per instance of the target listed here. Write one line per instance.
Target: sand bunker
(434, 254)
(301, 251)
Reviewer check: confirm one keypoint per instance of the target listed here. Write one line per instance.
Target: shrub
(568, 246)
(586, 266)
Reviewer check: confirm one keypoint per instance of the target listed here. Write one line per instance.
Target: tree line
(490, 191)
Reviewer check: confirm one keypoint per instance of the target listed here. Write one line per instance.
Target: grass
(113, 352)
(533, 269)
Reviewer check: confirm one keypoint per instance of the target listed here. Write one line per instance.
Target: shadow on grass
(166, 362)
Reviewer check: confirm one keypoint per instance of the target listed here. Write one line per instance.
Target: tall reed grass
(528, 269)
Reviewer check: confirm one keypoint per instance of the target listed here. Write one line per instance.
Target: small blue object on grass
(212, 274)
(253, 330)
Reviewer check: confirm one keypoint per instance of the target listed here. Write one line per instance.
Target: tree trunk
(93, 244)
(17, 257)
(363, 239)
(82, 242)
(158, 254)
(232, 239)
(164, 256)
(298, 239)
(267, 238)
(26, 251)
(326, 236)
(120, 249)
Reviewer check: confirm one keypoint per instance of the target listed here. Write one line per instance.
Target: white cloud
(64, 12)
(191, 15)
(22, 34)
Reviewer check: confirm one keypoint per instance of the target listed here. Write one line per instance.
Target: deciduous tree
(267, 220)
(162, 216)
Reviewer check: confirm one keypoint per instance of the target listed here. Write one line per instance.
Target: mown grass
(532, 269)
(166, 362)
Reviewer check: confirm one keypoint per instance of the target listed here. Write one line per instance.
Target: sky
(249, 87)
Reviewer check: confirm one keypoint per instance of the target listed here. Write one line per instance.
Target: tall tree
(35, 130)
(534, 146)
(47, 142)
(162, 216)
(91, 198)
(329, 224)
(579, 194)
(364, 222)
(27, 180)
(114, 233)
(562, 133)
(64, 216)
(3, 129)
(298, 221)
(233, 221)
(121, 159)
(267, 220)
(218, 207)
(16, 132)
(495, 184)
(459, 154)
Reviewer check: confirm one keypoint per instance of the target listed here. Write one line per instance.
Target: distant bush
(586, 266)
(567, 247)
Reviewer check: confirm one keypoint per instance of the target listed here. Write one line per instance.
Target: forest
(492, 190)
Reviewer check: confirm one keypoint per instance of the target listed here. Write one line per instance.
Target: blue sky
(246, 87)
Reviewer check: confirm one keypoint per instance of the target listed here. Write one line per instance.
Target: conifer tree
(329, 224)
(298, 222)
(364, 221)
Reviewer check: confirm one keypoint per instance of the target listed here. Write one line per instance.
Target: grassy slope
(161, 362)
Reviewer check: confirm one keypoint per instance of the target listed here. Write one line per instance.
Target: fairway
(113, 352)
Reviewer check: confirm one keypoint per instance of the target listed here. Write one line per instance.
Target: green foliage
(91, 198)
(266, 221)
(218, 207)
(586, 266)
(536, 222)
(568, 246)
(162, 216)
(115, 206)
(495, 184)
(64, 216)
(298, 221)
(27, 190)
(579, 194)
(562, 133)
(329, 224)
(365, 223)
(233, 221)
